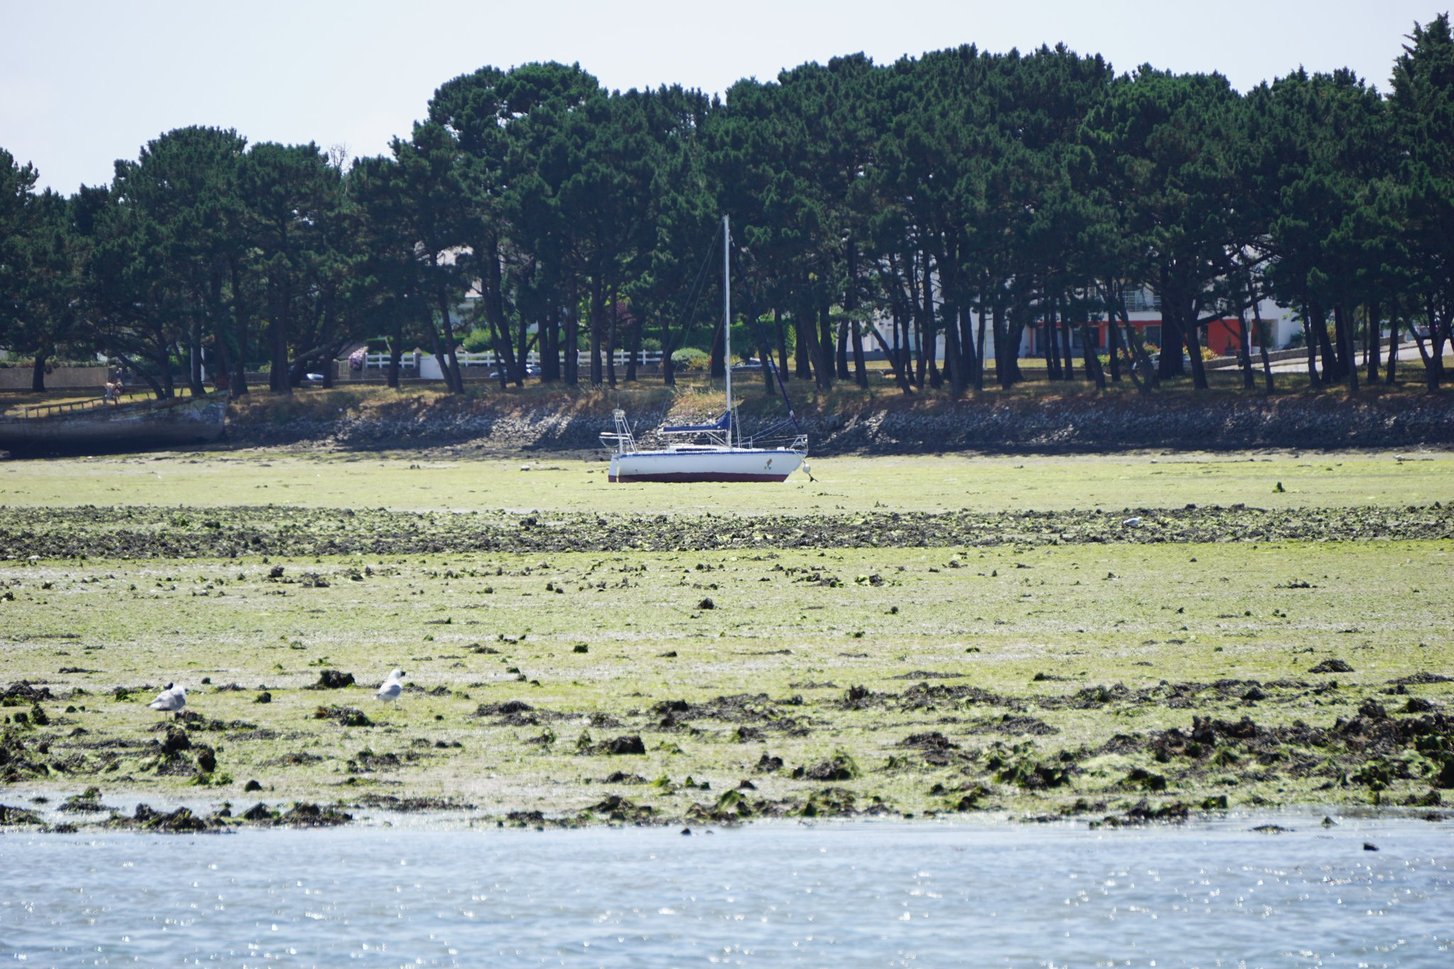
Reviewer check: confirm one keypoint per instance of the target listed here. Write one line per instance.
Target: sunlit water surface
(853, 894)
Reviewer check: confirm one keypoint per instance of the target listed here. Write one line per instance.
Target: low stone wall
(57, 378)
(1184, 422)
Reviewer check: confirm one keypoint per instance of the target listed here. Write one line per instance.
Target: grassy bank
(1087, 665)
(404, 480)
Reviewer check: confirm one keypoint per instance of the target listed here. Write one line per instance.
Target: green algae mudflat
(439, 481)
(1130, 637)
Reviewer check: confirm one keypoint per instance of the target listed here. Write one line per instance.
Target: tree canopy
(960, 198)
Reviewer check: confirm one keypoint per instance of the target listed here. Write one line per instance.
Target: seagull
(170, 700)
(391, 687)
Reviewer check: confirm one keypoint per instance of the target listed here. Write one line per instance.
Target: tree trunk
(1325, 346)
(1391, 364)
(1052, 345)
(769, 372)
(633, 347)
(222, 372)
(240, 318)
(900, 371)
(610, 355)
(436, 346)
(547, 342)
(569, 351)
(1138, 365)
(999, 323)
(899, 286)
(855, 331)
(1113, 343)
(1005, 352)
(1136, 351)
(1066, 352)
(1262, 341)
(1438, 334)
(806, 332)
(167, 388)
(278, 343)
(1311, 343)
(1372, 336)
(1014, 336)
(780, 333)
(506, 365)
(979, 353)
(897, 350)
(840, 354)
(493, 298)
(443, 337)
(823, 363)
(1431, 367)
(668, 369)
(1343, 326)
(860, 365)
(929, 341)
(37, 373)
(1092, 360)
(967, 355)
(1194, 352)
(915, 347)
(194, 359)
(953, 353)
(1172, 329)
(596, 324)
(1244, 349)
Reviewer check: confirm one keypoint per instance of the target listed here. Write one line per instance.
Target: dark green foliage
(961, 197)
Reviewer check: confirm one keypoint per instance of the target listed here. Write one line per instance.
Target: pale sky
(85, 82)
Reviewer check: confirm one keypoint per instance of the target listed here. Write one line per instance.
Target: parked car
(531, 370)
(1156, 359)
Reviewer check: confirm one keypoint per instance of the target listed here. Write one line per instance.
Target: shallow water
(851, 894)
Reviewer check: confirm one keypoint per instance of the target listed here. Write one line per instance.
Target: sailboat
(716, 451)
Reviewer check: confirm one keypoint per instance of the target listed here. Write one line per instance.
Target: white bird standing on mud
(392, 686)
(170, 700)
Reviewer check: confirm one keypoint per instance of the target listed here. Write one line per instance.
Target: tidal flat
(1122, 638)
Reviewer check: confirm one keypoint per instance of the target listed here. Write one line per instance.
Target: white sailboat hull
(706, 464)
(720, 451)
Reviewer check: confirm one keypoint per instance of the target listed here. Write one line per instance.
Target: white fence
(427, 367)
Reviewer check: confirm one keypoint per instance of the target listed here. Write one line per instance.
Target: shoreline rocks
(888, 425)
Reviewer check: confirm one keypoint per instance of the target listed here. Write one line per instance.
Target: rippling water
(852, 894)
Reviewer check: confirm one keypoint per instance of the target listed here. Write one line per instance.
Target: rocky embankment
(886, 425)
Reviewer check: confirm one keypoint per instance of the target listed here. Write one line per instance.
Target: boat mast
(727, 323)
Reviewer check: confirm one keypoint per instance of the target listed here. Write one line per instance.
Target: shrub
(689, 359)
(477, 341)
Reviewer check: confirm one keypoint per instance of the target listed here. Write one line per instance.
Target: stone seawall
(1110, 424)
(1051, 424)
